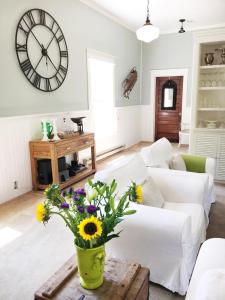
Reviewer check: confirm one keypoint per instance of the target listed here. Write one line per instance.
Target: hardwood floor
(32, 252)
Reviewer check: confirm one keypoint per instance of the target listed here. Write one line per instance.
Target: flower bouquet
(92, 215)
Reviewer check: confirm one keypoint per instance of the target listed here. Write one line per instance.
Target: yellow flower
(139, 196)
(40, 212)
(90, 228)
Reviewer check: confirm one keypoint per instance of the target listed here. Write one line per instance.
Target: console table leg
(93, 157)
(34, 173)
(54, 164)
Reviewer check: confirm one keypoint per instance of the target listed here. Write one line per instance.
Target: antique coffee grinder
(79, 123)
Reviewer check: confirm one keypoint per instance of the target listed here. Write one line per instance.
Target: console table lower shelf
(122, 281)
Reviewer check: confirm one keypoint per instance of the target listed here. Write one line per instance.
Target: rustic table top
(122, 280)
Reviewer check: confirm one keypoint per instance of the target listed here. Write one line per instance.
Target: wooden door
(168, 107)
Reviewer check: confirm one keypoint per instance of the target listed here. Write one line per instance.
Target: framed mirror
(169, 95)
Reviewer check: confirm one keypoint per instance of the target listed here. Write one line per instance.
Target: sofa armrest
(211, 257)
(181, 186)
(210, 166)
(156, 238)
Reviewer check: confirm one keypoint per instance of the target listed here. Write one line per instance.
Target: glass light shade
(147, 33)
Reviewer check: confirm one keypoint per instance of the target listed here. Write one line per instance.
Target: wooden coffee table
(122, 281)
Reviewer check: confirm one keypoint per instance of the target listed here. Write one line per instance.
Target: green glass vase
(91, 266)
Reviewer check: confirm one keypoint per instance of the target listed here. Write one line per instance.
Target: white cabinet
(220, 166)
(211, 145)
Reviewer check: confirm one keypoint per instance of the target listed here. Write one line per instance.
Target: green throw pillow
(194, 163)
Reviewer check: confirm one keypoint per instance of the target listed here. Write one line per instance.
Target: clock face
(41, 50)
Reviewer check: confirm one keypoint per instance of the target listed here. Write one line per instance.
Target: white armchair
(164, 239)
(161, 153)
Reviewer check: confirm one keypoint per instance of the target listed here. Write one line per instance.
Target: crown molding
(109, 15)
(104, 12)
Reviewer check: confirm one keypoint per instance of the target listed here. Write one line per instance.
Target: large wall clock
(41, 50)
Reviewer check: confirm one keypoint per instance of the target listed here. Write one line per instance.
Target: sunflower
(40, 212)
(139, 196)
(90, 228)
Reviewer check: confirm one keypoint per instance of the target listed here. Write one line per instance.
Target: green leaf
(129, 212)
(111, 236)
(121, 202)
(90, 182)
(112, 203)
(117, 221)
(113, 186)
(103, 189)
(107, 208)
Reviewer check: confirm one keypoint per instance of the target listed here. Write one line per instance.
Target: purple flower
(80, 192)
(71, 191)
(91, 209)
(80, 208)
(63, 194)
(76, 197)
(64, 205)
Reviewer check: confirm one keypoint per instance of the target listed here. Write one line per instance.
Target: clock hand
(33, 33)
(54, 35)
(54, 66)
(38, 62)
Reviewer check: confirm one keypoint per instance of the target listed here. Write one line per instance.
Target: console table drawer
(73, 145)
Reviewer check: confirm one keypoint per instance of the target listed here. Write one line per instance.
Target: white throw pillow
(151, 194)
(211, 285)
(177, 163)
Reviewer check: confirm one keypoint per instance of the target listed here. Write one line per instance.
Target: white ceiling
(164, 13)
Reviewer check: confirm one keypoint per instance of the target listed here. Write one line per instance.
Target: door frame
(166, 73)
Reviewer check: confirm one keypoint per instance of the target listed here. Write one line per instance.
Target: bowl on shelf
(211, 124)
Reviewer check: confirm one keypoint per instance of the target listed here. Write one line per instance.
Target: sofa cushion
(177, 163)
(195, 211)
(128, 170)
(151, 194)
(158, 154)
(211, 285)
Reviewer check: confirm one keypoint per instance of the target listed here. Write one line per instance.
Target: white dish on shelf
(211, 124)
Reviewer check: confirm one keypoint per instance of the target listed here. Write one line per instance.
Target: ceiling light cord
(148, 16)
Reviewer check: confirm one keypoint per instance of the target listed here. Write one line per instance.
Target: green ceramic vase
(91, 266)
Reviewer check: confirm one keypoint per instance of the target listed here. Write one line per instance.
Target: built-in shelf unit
(208, 103)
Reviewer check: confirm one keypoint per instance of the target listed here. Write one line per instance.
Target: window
(101, 83)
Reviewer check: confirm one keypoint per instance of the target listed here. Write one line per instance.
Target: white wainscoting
(16, 132)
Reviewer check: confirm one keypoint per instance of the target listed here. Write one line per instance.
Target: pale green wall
(83, 28)
(170, 51)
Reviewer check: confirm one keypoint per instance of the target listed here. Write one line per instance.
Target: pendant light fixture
(147, 32)
(182, 26)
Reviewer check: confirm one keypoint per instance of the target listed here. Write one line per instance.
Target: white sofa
(166, 239)
(160, 154)
(208, 279)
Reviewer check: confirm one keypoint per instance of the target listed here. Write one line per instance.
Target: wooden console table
(54, 149)
(122, 281)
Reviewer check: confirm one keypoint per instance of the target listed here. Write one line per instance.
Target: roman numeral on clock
(57, 79)
(31, 18)
(42, 17)
(26, 66)
(23, 29)
(59, 39)
(48, 87)
(37, 81)
(21, 48)
(64, 53)
(62, 69)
